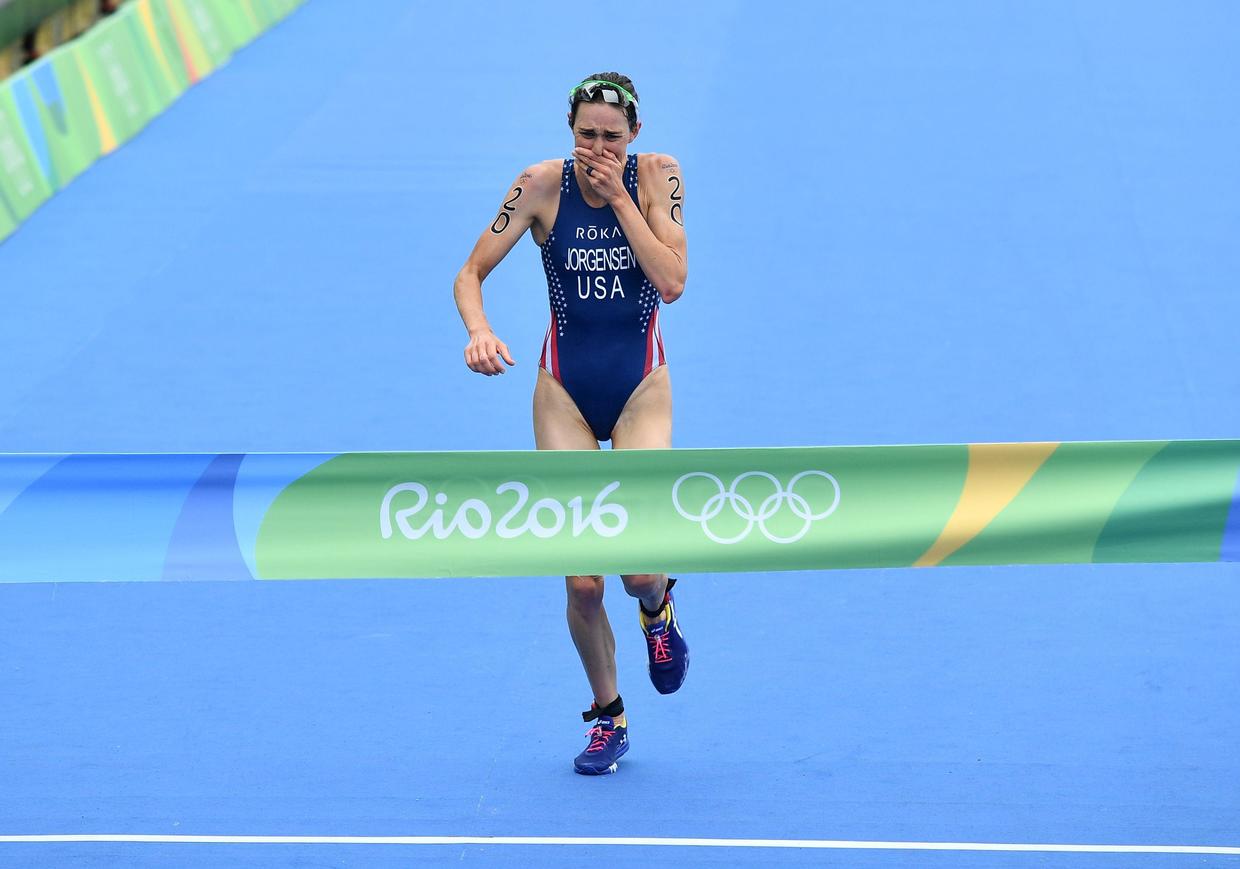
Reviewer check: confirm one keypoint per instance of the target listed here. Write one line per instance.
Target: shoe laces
(658, 642)
(599, 737)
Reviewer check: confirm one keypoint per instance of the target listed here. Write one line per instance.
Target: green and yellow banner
(88, 97)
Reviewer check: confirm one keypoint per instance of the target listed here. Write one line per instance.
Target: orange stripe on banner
(997, 474)
(178, 32)
(107, 139)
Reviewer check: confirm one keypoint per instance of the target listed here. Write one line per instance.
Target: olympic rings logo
(767, 509)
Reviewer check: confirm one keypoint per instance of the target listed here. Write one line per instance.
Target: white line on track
(640, 842)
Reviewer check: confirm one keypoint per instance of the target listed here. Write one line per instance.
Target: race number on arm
(524, 206)
(663, 192)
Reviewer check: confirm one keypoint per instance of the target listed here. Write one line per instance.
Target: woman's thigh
(646, 421)
(558, 424)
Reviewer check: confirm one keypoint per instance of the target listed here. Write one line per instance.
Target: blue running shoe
(666, 649)
(608, 743)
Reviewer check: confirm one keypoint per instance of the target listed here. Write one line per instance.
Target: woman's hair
(630, 111)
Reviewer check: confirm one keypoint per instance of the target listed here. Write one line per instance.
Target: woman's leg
(559, 425)
(646, 424)
(646, 421)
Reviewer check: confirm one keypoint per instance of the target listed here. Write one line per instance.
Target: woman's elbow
(672, 286)
(468, 275)
(671, 292)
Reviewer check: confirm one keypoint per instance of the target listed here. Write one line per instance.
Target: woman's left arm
(658, 241)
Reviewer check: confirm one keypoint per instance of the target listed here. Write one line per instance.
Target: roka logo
(472, 518)
(703, 510)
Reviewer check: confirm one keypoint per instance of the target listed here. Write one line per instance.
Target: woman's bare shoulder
(542, 177)
(654, 162)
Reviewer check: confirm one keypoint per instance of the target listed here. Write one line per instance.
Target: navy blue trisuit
(604, 336)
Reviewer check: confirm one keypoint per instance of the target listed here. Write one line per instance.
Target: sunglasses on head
(612, 93)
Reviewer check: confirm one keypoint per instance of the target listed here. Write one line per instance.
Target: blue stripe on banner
(18, 472)
(1231, 532)
(204, 541)
(44, 77)
(102, 516)
(23, 96)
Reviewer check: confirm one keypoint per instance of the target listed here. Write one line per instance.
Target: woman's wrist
(617, 202)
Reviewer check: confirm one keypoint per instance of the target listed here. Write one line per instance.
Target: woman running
(611, 230)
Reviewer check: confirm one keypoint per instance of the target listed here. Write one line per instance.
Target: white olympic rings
(743, 508)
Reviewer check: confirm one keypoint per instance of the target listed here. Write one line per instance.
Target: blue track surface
(907, 223)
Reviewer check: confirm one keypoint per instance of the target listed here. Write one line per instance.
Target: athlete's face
(603, 127)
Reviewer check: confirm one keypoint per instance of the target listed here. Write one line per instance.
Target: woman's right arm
(521, 205)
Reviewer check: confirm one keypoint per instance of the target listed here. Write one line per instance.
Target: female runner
(611, 230)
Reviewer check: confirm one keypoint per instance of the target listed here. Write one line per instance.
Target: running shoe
(608, 743)
(666, 649)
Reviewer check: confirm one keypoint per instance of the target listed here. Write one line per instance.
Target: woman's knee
(642, 584)
(585, 592)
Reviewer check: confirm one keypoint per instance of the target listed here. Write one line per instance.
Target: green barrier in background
(63, 125)
(275, 10)
(238, 22)
(112, 58)
(201, 22)
(23, 188)
(152, 31)
(89, 96)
